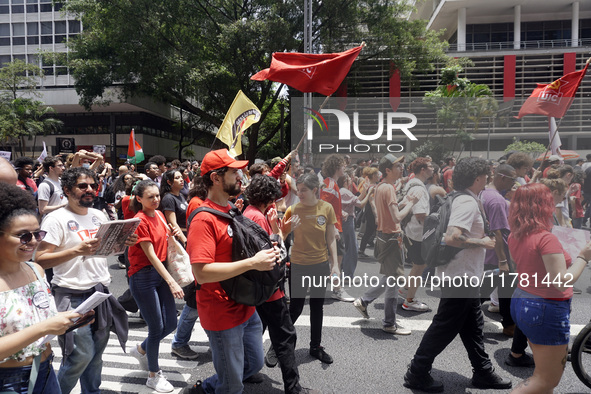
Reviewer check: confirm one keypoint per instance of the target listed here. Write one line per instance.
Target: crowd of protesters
(501, 218)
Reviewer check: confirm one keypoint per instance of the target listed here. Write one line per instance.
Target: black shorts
(413, 249)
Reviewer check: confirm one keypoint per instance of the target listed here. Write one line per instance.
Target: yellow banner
(240, 116)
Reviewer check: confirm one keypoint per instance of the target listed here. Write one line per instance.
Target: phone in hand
(84, 320)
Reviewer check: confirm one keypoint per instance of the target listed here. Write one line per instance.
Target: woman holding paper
(150, 283)
(540, 306)
(27, 309)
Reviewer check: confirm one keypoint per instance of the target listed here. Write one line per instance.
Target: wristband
(582, 258)
(502, 261)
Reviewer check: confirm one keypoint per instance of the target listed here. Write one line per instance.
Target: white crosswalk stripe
(127, 378)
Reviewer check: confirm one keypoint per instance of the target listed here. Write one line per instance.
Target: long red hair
(531, 210)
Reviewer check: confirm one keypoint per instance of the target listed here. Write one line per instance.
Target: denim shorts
(16, 379)
(543, 321)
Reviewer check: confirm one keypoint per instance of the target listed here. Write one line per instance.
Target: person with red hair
(541, 304)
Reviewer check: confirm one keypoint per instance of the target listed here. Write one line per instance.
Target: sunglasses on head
(507, 176)
(27, 237)
(84, 186)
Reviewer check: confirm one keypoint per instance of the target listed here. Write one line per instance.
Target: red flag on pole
(553, 99)
(308, 72)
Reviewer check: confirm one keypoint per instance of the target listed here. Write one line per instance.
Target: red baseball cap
(220, 158)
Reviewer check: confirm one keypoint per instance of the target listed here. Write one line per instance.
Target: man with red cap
(230, 326)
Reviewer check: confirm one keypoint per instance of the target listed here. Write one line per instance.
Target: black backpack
(253, 287)
(434, 251)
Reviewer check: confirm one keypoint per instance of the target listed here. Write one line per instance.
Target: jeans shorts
(543, 321)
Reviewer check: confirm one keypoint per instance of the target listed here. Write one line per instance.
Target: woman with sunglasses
(28, 313)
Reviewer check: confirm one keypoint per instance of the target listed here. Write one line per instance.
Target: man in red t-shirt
(229, 325)
(447, 173)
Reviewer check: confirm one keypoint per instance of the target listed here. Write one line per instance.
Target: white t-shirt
(65, 229)
(466, 215)
(44, 192)
(414, 229)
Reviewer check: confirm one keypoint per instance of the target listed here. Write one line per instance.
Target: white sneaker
(342, 295)
(415, 306)
(141, 358)
(159, 383)
(396, 329)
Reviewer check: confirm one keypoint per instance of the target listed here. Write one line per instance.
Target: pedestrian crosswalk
(121, 372)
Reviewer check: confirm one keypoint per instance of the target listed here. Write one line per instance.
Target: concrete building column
(461, 29)
(517, 27)
(575, 25)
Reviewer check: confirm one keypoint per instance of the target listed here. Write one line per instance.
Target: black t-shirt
(176, 204)
(587, 184)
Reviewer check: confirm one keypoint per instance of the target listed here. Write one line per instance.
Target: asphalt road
(366, 360)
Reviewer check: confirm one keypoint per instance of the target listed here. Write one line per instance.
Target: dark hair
(139, 190)
(579, 176)
(166, 177)
(176, 162)
(15, 202)
(158, 159)
(119, 184)
(332, 164)
(198, 189)
(207, 177)
(520, 159)
(20, 162)
(148, 165)
(262, 190)
(467, 170)
(70, 177)
(310, 180)
(449, 159)
(565, 169)
(504, 169)
(342, 179)
(50, 161)
(258, 169)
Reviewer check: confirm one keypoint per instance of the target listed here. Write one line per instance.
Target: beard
(86, 203)
(232, 190)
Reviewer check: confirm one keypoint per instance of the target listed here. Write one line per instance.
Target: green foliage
(19, 75)
(525, 146)
(196, 54)
(431, 148)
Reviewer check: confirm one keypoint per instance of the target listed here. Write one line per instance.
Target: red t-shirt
(259, 218)
(209, 242)
(575, 191)
(527, 253)
(331, 193)
(447, 174)
(195, 203)
(127, 213)
(151, 230)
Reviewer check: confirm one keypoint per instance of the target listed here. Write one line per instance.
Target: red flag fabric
(553, 99)
(309, 72)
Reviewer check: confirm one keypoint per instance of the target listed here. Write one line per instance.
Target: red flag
(553, 99)
(308, 72)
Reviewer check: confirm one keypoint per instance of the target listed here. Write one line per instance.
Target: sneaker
(271, 359)
(402, 292)
(490, 380)
(492, 308)
(321, 355)
(184, 352)
(422, 383)
(141, 358)
(197, 388)
(255, 379)
(524, 361)
(342, 295)
(361, 307)
(396, 329)
(159, 383)
(361, 254)
(121, 265)
(576, 290)
(415, 306)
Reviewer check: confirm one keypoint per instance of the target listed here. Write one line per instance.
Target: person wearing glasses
(69, 249)
(27, 310)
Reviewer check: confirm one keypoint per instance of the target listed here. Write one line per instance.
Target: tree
(460, 104)
(531, 147)
(196, 54)
(19, 76)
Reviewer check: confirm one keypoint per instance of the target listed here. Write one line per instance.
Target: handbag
(178, 263)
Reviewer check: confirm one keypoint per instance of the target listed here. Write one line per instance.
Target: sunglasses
(27, 237)
(84, 186)
(508, 177)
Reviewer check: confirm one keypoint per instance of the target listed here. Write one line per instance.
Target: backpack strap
(51, 188)
(230, 215)
(479, 204)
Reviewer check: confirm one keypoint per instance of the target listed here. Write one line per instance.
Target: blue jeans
(158, 309)
(237, 354)
(350, 257)
(17, 379)
(86, 360)
(184, 329)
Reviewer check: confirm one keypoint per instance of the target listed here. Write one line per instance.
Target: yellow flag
(240, 116)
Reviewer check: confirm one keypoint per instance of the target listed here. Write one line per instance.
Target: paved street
(367, 360)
